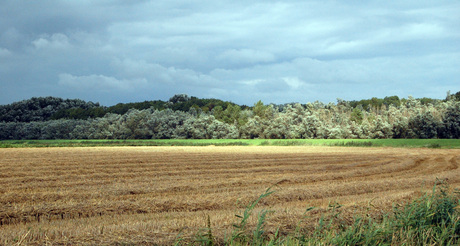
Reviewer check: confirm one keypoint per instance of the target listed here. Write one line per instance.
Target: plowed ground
(146, 195)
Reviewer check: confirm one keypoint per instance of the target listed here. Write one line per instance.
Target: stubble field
(154, 195)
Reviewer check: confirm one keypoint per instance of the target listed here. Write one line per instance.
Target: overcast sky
(241, 51)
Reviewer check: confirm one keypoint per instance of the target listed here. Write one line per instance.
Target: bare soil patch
(147, 195)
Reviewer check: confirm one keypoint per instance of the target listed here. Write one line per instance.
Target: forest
(185, 117)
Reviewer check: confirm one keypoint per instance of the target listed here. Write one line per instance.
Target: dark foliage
(41, 108)
(191, 117)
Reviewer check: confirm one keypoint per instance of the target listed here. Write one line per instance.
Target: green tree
(392, 100)
(424, 125)
(451, 122)
(357, 116)
(218, 113)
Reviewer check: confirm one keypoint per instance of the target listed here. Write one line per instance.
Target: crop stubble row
(155, 192)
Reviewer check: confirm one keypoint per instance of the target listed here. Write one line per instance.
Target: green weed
(432, 219)
(433, 146)
(352, 144)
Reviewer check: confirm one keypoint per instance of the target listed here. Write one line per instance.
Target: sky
(240, 51)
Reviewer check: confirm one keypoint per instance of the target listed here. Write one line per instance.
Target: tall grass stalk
(204, 236)
(239, 233)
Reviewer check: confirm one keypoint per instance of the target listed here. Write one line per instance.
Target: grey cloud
(4, 52)
(271, 86)
(55, 41)
(100, 82)
(235, 50)
(158, 74)
(244, 57)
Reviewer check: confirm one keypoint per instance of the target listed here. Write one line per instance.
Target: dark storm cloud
(116, 51)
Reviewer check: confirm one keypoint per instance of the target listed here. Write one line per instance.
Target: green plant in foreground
(205, 237)
(239, 233)
(432, 219)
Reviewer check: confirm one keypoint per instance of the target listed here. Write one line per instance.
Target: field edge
(398, 143)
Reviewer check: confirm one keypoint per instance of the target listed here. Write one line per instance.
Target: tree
(179, 98)
(136, 123)
(259, 109)
(457, 96)
(424, 125)
(254, 128)
(393, 100)
(357, 116)
(40, 108)
(59, 129)
(451, 122)
(218, 113)
(207, 127)
(167, 124)
(381, 128)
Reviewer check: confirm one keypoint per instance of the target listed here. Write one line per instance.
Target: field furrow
(102, 194)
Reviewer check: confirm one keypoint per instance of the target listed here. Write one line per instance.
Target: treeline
(43, 109)
(189, 117)
(54, 108)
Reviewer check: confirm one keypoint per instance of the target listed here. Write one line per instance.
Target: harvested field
(147, 195)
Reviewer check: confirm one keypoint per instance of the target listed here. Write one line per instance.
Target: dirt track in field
(150, 194)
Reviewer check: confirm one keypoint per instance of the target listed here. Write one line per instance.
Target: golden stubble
(149, 195)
